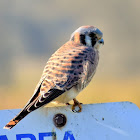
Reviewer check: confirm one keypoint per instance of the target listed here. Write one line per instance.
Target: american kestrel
(68, 71)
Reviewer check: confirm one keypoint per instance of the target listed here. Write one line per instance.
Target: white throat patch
(98, 45)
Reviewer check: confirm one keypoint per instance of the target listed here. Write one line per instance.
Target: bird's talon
(76, 104)
(75, 110)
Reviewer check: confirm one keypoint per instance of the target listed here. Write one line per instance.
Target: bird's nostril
(101, 41)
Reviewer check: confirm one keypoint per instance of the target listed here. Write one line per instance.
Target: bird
(67, 72)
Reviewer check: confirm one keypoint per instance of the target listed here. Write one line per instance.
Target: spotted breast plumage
(67, 72)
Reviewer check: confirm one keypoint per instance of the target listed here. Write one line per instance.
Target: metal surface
(108, 121)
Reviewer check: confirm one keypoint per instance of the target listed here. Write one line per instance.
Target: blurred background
(31, 30)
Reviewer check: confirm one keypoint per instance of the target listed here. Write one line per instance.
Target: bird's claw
(76, 103)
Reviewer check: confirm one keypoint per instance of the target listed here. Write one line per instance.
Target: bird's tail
(15, 120)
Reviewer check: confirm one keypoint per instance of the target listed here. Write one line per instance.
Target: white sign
(108, 121)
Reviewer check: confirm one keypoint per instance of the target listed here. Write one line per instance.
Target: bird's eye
(92, 35)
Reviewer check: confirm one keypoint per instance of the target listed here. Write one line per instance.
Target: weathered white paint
(108, 121)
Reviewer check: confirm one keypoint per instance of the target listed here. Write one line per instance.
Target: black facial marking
(82, 39)
(93, 42)
(93, 38)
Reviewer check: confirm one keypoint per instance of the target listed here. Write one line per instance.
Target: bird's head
(89, 36)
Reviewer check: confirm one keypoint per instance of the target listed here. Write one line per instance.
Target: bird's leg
(76, 103)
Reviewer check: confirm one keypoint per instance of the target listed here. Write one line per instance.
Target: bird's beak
(101, 41)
